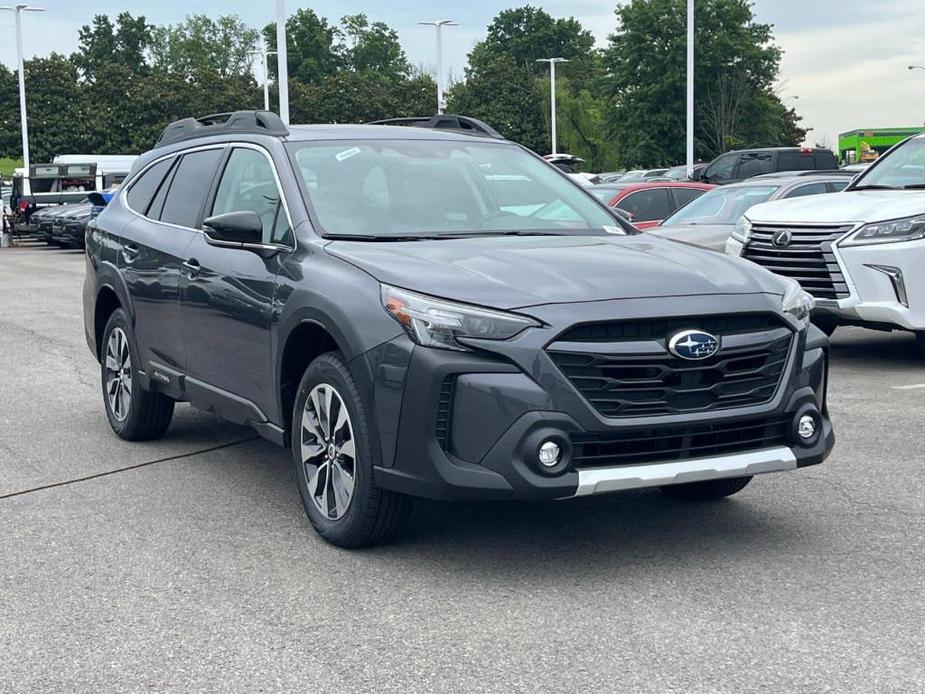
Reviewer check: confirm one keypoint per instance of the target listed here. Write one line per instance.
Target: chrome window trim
(123, 194)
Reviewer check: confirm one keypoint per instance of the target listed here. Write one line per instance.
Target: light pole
(282, 65)
(19, 9)
(264, 54)
(552, 93)
(690, 88)
(438, 25)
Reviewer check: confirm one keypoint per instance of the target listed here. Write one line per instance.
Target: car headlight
(432, 322)
(742, 229)
(798, 303)
(908, 229)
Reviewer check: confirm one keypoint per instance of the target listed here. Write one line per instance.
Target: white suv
(860, 253)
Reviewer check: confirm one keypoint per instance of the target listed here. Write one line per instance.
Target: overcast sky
(845, 59)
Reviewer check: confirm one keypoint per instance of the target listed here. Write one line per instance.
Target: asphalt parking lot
(196, 569)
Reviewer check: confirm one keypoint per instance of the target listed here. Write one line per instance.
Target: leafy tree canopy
(313, 46)
(203, 43)
(104, 43)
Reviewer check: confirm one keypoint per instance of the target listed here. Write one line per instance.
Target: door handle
(130, 251)
(192, 267)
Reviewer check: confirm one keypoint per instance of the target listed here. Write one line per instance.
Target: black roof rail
(445, 121)
(237, 122)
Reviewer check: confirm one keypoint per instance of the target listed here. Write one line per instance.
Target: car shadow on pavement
(875, 350)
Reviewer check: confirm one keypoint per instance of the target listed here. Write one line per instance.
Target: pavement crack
(179, 456)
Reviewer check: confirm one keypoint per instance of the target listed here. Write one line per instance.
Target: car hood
(841, 208)
(514, 272)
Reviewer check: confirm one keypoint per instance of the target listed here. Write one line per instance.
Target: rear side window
(796, 161)
(754, 165)
(683, 196)
(190, 187)
(647, 205)
(145, 186)
(810, 189)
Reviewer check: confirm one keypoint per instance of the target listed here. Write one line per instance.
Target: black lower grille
(633, 374)
(666, 444)
(444, 407)
(802, 253)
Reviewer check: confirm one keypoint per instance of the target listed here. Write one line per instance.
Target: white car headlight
(908, 229)
(742, 229)
(432, 322)
(798, 303)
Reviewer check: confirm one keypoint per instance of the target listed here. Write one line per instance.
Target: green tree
(313, 48)
(737, 65)
(527, 34)
(203, 43)
(374, 49)
(104, 43)
(57, 107)
(506, 95)
(10, 143)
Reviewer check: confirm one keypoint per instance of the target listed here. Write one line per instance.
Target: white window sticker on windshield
(347, 153)
(614, 230)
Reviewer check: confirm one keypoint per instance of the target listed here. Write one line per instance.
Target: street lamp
(690, 89)
(282, 63)
(552, 93)
(19, 9)
(438, 25)
(264, 54)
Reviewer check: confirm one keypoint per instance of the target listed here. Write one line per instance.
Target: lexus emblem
(693, 344)
(782, 238)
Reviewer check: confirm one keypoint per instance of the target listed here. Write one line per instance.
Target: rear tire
(333, 458)
(709, 490)
(134, 413)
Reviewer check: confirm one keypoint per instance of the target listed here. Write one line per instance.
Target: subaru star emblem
(693, 344)
(782, 238)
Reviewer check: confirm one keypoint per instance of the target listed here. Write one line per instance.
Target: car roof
(325, 131)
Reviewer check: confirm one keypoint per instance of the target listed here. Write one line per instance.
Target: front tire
(708, 490)
(134, 413)
(333, 460)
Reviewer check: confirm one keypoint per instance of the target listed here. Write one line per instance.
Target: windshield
(398, 188)
(904, 166)
(721, 205)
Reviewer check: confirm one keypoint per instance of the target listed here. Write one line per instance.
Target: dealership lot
(196, 568)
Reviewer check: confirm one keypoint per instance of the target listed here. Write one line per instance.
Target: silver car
(709, 220)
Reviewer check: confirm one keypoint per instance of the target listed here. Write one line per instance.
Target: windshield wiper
(914, 186)
(875, 186)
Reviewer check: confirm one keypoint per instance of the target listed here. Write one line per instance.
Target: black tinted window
(753, 165)
(189, 187)
(796, 161)
(721, 169)
(810, 189)
(683, 196)
(143, 189)
(647, 205)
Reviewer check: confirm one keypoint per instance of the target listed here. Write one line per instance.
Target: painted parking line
(913, 386)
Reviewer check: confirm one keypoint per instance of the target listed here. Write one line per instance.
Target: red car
(647, 204)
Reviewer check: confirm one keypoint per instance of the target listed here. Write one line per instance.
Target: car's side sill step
(612, 479)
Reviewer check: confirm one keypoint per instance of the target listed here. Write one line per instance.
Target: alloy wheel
(328, 451)
(118, 374)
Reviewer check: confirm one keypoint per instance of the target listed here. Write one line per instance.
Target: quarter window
(143, 189)
(189, 188)
(683, 196)
(248, 185)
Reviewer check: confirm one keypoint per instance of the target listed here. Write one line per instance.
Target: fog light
(807, 427)
(549, 454)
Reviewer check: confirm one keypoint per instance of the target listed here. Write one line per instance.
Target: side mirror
(234, 229)
(697, 174)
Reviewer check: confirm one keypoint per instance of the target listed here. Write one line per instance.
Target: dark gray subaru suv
(420, 311)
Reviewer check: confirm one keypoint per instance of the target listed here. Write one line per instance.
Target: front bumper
(477, 438)
(884, 281)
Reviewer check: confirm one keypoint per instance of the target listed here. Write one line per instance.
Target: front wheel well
(106, 303)
(304, 344)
